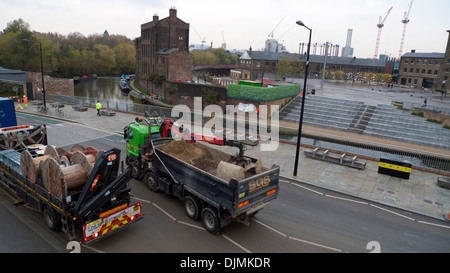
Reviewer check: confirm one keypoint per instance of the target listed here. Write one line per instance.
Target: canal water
(103, 88)
(107, 89)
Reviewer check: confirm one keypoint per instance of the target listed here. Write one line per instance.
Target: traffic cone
(447, 218)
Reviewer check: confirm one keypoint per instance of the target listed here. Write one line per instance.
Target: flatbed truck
(101, 208)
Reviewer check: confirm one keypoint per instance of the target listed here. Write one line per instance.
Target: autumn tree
(289, 66)
(125, 58)
(74, 54)
(15, 26)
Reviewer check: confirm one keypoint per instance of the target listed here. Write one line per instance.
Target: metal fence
(116, 105)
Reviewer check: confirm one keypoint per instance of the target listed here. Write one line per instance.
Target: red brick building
(163, 48)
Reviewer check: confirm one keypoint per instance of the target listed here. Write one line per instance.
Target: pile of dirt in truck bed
(199, 156)
(192, 153)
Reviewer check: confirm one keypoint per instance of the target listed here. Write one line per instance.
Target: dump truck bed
(207, 175)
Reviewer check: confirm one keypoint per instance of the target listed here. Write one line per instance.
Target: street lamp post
(300, 124)
(42, 70)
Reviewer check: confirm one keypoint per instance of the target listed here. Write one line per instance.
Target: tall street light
(42, 70)
(300, 124)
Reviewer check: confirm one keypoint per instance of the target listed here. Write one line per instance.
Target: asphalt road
(302, 219)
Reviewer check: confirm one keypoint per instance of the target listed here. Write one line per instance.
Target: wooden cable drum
(77, 148)
(90, 151)
(85, 161)
(30, 166)
(62, 179)
(99, 154)
(61, 151)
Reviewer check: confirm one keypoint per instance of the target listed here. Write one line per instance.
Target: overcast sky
(249, 22)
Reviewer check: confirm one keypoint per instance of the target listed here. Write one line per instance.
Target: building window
(431, 62)
(415, 81)
(413, 60)
(429, 71)
(409, 80)
(423, 71)
(406, 61)
(417, 70)
(436, 72)
(405, 69)
(411, 70)
(425, 61)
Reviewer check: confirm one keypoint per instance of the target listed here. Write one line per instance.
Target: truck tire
(150, 181)
(51, 218)
(210, 220)
(135, 171)
(192, 207)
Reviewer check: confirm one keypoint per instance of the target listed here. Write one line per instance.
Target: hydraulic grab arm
(101, 185)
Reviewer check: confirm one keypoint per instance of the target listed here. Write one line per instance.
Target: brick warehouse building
(426, 70)
(253, 63)
(163, 48)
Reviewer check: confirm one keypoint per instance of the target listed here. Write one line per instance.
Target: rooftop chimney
(155, 17)
(173, 11)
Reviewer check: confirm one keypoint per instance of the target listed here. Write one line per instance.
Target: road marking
(271, 228)
(165, 212)
(236, 244)
(346, 199)
(191, 225)
(315, 244)
(432, 224)
(311, 190)
(398, 214)
(142, 200)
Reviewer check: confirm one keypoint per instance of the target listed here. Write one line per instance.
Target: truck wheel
(192, 207)
(135, 171)
(150, 181)
(51, 219)
(210, 220)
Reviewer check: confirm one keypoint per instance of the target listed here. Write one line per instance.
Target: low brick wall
(183, 93)
(52, 85)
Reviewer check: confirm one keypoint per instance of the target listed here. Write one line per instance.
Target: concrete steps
(384, 121)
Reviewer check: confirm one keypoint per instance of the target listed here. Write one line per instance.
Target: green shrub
(260, 93)
(434, 120)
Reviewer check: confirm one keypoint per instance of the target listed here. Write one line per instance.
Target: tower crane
(224, 44)
(271, 33)
(380, 26)
(202, 40)
(405, 21)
